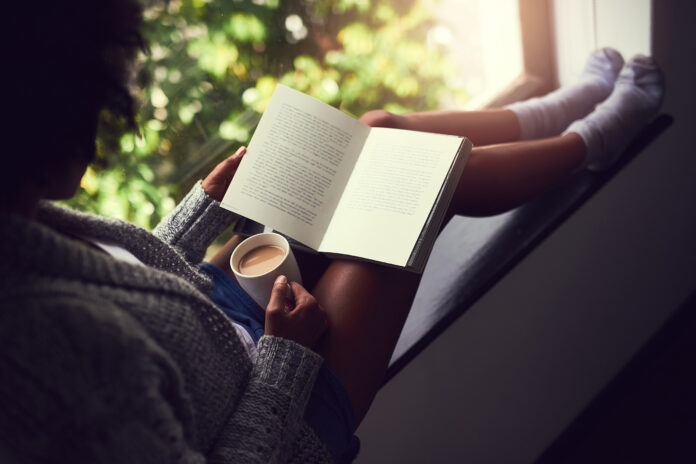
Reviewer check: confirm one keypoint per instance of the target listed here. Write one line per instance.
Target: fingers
(380, 118)
(225, 170)
(307, 308)
(230, 165)
(301, 296)
(236, 157)
(299, 318)
(215, 184)
(278, 294)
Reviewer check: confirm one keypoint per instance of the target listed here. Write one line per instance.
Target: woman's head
(66, 62)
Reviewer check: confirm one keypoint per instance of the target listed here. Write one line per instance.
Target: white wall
(512, 372)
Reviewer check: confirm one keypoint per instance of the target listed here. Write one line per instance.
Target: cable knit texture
(105, 361)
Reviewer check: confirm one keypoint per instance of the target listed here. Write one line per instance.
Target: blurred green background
(212, 68)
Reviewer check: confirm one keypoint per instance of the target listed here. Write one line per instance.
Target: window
(483, 39)
(586, 25)
(503, 47)
(512, 49)
(214, 64)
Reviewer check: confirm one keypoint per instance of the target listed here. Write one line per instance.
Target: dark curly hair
(68, 62)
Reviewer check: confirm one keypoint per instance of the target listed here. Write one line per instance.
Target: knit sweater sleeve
(84, 382)
(194, 224)
(270, 414)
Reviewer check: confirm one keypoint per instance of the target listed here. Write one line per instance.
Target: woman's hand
(383, 118)
(215, 184)
(301, 319)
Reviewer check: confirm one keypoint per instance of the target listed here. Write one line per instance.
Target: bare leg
(312, 267)
(483, 127)
(498, 178)
(366, 306)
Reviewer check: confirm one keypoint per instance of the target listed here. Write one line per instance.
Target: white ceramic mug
(259, 287)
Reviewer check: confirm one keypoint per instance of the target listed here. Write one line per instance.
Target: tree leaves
(213, 63)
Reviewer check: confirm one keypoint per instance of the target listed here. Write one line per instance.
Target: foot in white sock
(635, 100)
(547, 116)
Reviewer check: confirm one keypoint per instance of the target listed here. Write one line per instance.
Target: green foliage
(213, 65)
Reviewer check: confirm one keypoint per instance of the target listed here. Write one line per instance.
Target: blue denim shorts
(329, 411)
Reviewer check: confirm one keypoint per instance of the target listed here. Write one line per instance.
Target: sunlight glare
(485, 42)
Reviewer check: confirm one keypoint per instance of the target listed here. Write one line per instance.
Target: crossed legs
(367, 304)
(498, 178)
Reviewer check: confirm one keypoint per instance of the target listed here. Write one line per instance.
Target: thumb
(278, 294)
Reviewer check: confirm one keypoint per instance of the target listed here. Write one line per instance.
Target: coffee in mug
(258, 260)
(261, 260)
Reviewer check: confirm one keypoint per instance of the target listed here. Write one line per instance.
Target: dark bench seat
(472, 254)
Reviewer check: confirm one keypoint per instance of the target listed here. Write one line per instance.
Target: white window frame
(538, 59)
(582, 26)
(559, 35)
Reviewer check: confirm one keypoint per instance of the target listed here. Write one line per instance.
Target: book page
(389, 196)
(296, 166)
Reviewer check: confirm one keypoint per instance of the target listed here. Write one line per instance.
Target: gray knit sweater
(106, 361)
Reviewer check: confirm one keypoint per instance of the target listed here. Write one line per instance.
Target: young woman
(113, 344)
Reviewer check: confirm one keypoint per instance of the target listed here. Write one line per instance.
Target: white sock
(547, 116)
(636, 98)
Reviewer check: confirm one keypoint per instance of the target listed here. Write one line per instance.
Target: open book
(343, 188)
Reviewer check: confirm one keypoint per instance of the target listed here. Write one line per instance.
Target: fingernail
(240, 151)
(281, 280)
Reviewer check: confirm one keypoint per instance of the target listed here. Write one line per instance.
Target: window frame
(539, 72)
